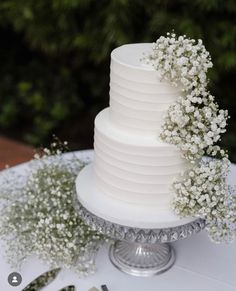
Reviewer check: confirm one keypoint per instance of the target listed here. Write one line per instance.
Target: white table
(200, 266)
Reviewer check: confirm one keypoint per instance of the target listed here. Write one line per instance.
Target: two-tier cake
(130, 179)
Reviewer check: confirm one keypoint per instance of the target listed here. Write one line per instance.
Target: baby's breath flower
(194, 123)
(41, 218)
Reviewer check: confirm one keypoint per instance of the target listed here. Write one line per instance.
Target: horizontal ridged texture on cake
(133, 168)
(139, 99)
(131, 163)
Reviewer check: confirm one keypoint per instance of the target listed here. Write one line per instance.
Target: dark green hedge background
(54, 59)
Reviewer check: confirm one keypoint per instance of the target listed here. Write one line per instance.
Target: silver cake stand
(137, 251)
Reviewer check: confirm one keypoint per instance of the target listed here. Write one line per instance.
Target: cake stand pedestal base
(141, 236)
(138, 251)
(142, 260)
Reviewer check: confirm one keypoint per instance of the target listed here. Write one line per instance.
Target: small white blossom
(194, 123)
(43, 217)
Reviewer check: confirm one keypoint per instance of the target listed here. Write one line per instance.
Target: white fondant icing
(145, 97)
(130, 172)
(161, 160)
(138, 104)
(134, 125)
(134, 176)
(153, 115)
(117, 211)
(155, 87)
(139, 99)
(133, 169)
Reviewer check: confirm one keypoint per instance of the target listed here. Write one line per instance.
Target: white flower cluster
(194, 123)
(181, 60)
(43, 217)
(202, 192)
(202, 187)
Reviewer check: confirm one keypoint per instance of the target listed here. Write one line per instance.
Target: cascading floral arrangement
(194, 123)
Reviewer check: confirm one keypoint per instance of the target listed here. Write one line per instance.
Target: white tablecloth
(200, 266)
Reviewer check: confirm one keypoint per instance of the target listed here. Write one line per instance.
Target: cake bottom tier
(132, 168)
(117, 211)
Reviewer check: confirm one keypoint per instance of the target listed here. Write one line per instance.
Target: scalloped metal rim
(138, 235)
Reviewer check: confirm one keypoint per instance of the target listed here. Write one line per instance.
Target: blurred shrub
(55, 58)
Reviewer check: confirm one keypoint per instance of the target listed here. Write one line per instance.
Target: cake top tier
(131, 55)
(138, 97)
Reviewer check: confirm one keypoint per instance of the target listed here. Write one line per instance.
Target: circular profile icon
(14, 279)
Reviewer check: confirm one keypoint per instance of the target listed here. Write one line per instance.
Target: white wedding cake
(130, 180)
